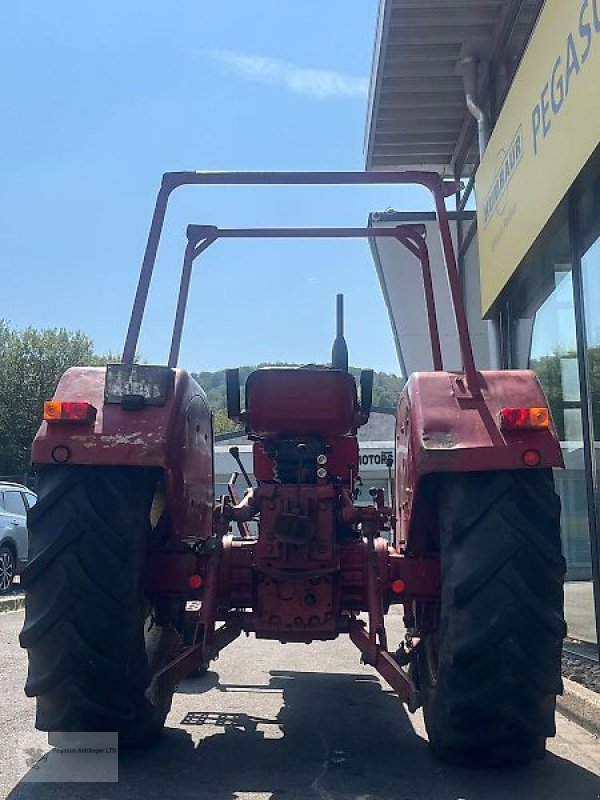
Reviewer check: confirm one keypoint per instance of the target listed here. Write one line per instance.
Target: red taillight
(55, 411)
(532, 458)
(524, 418)
(195, 581)
(398, 586)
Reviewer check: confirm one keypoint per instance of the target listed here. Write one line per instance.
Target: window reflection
(544, 339)
(589, 217)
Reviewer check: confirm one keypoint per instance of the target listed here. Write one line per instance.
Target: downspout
(469, 67)
(470, 72)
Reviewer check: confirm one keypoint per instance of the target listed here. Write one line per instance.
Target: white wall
(478, 328)
(402, 285)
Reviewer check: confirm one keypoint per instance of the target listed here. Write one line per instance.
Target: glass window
(544, 339)
(589, 244)
(13, 503)
(30, 499)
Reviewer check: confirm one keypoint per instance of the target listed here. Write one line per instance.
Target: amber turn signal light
(524, 419)
(55, 411)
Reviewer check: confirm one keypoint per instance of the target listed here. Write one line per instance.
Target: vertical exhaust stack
(339, 351)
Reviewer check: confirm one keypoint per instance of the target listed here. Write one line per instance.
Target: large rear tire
(92, 642)
(490, 675)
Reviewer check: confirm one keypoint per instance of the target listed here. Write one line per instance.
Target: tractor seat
(288, 402)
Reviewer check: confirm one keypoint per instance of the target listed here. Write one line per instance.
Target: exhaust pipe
(339, 352)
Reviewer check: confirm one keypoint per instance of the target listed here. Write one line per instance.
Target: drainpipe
(470, 72)
(469, 66)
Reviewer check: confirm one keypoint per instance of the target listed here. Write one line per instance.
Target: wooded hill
(32, 360)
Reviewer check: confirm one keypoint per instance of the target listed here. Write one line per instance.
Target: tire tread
(502, 623)
(85, 610)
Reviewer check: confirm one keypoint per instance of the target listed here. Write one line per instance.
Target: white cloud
(319, 83)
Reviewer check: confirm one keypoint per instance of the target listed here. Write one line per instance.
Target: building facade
(526, 143)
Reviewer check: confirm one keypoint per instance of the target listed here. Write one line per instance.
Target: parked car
(15, 501)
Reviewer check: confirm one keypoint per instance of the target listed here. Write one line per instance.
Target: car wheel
(7, 569)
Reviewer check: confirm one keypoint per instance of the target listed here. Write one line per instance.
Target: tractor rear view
(127, 531)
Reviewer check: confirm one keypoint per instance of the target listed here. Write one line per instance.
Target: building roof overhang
(417, 116)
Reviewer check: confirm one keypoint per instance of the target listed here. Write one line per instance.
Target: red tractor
(126, 531)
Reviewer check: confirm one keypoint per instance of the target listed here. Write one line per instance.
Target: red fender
(176, 437)
(443, 427)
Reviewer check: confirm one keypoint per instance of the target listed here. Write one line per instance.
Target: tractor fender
(176, 437)
(441, 427)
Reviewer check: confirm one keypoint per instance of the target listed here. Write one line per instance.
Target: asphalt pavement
(286, 722)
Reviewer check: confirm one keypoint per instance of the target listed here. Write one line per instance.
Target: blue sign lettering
(565, 70)
(596, 15)
(572, 61)
(509, 163)
(585, 31)
(557, 94)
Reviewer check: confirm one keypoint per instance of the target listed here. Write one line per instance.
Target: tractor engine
(303, 422)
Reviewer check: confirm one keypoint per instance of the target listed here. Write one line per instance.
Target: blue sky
(99, 99)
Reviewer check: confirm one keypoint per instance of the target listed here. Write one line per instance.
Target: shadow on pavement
(336, 737)
(199, 685)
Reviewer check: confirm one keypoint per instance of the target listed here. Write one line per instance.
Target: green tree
(222, 423)
(549, 369)
(31, 362)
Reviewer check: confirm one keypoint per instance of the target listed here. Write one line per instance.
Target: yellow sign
(548, 128)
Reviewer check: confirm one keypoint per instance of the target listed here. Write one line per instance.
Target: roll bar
(200, 237)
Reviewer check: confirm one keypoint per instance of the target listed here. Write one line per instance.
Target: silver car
(15, 501)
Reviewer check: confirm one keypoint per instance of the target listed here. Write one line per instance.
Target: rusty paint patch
(439, 440)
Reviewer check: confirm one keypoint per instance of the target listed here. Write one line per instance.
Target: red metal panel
(342, 457)
(442, 427)
(190, 486)
(421, 577)
(263, 465)
(242, 564)
(283, 545)
(295, 562)
(176, 437)
(300, 402)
